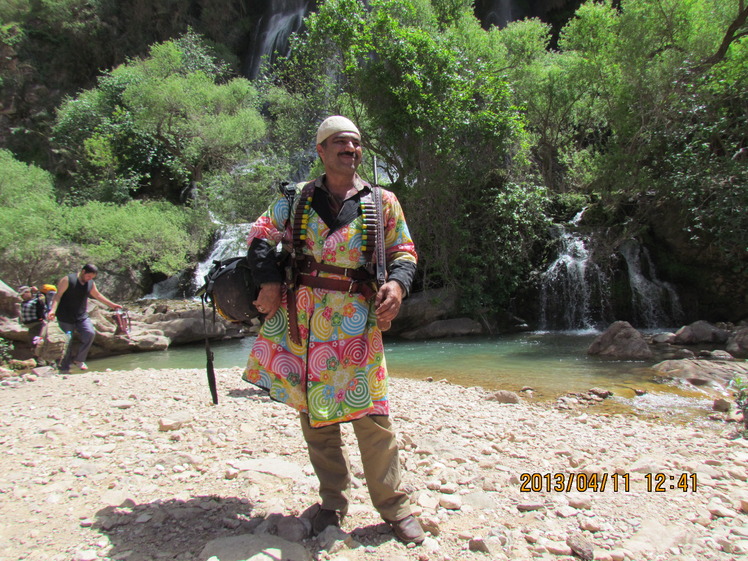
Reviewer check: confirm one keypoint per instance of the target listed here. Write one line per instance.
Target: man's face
(341, 152)
(26, 295)
(85, 277)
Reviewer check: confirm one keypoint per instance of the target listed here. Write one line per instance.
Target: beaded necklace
(368, 217)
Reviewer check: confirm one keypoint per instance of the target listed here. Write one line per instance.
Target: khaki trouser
(378, 446)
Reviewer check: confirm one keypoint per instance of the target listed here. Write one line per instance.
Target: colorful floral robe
(338, 373)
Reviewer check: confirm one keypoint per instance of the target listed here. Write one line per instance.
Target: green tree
(159, 125)
(440, 120)
(559, 95)
(669, 80)
(54, 48)
(41, 240)
(641, 109)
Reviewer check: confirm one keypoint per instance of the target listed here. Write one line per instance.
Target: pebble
(141, 465)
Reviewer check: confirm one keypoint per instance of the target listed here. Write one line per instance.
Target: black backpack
(230, 289)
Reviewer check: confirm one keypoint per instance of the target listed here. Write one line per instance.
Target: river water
(551, 363)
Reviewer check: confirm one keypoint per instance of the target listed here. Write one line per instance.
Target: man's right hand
(269, 299)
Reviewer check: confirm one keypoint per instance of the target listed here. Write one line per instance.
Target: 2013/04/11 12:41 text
(599, 482)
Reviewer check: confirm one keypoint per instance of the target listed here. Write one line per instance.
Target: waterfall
(575, 293)
(272, 31)
(231, 242)
(655, 303)
(499, 13)
(166, 289)
(574, 290)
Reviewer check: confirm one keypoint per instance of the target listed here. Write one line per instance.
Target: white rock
(590, 524)
(721, 511)
(255, 548)
(579, 501)
(450, 502)
(174, 421)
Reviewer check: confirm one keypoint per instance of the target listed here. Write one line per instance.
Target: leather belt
(361, 282)
(309, 265)
(341, 285)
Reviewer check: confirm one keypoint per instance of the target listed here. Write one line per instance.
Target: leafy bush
(242, 194)
(40, 240)
(28, 221)
(740, 387)
(157, 126)
(153, 236)
(6, 348)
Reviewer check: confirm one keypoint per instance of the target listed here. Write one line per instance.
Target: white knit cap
(333, 125)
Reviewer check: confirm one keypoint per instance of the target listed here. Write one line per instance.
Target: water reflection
(551, 363)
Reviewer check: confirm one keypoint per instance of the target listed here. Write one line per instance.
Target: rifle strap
(381, 252)
(209, 355)
(381, 256)
(298, 237)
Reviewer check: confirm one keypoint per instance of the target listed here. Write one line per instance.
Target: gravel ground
(139, 465)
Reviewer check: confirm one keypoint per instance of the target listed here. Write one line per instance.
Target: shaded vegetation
(638, 113)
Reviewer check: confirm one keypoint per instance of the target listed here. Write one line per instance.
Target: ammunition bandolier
(304, 269)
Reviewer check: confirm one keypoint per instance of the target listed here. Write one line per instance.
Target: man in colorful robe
(320, 347)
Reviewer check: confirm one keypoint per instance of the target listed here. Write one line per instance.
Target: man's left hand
(388, 300)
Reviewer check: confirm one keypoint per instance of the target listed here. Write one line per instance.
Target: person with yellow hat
(320, 347)
(48, 291)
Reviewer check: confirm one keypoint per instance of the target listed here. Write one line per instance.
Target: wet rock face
(713, 373)
(737, 344)
(700, 332)
(622, 341)
(10, 301)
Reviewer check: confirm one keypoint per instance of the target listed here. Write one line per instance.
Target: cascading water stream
(231, 242)
(272, 31)
(655, 303)
(573, 293)
(499, 12)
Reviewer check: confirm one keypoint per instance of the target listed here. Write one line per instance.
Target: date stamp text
(600, 482)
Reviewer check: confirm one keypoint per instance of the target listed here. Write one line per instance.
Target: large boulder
(139, 338)
(190, 326)
(160, 325)
(714, 373)
(10, 301)
(622, 341)
(190, 330)
(12, 330)
(737, 344)
(422, 308)
(700, 332)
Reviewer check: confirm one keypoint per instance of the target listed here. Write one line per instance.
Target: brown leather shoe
(408, 530)
(323, 519)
